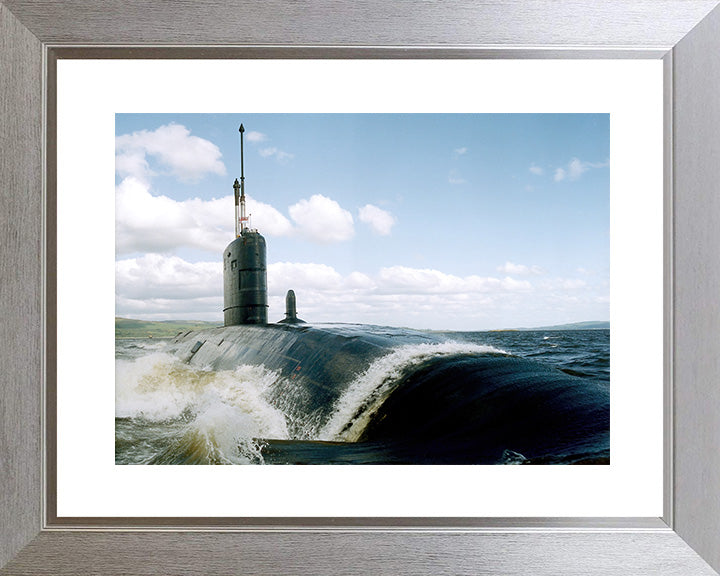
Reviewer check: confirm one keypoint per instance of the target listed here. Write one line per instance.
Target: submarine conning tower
(245, 280)
(244, 265)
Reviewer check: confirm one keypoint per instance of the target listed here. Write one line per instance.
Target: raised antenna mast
(243, 217)
(236, 187)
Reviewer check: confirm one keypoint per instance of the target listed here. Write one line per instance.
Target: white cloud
(167, 277)
(285, 275)
(187, 157)
(279, 155)
(461, 151)
(157, 287)
(575, 169)
(147, 223)
(417, 281)
(158, 224)
(359, 281)
(322, 220)
(378, 219)
(268, 151)
(572, 284)
(564, 284)
(455, 178)
(167, 287)
(521, 269)
(266, 218)
(170, 309)
(537, 170)
(133, 163)
(253, 136)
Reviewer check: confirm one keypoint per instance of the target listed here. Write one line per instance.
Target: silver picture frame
(685, 34)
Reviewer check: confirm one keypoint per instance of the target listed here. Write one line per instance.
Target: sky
(430, 221)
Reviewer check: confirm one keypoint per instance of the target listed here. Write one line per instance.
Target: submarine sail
(244, 265)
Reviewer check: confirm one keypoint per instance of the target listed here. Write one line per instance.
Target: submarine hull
(385, 395)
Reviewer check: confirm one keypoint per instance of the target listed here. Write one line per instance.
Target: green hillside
(574, 326)
(129, 328)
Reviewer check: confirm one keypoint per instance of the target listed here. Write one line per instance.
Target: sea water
(452, 401)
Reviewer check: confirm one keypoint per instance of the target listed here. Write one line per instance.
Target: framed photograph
(602, 132)
(400, 278)
(415, 280)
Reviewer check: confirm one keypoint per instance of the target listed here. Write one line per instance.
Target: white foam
(229, 407)
(228, 434)
(228, 410)
(154, 387)
(366, 393)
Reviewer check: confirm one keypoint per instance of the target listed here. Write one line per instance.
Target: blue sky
(443, 221)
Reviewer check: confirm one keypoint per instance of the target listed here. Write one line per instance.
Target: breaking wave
(428, 402)
(369, 390)
(222, 413)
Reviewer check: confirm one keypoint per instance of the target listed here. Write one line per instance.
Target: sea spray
(225, 435)
(367, 392)
(224, 412)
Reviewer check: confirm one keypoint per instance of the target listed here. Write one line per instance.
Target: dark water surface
(525, 397)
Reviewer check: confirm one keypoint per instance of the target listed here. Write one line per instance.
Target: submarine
(355, 393)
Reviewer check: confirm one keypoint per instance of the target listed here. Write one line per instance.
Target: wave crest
(225, 411)
(362, 398)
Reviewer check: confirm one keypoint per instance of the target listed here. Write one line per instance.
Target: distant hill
(129, 328)
(574, 326)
